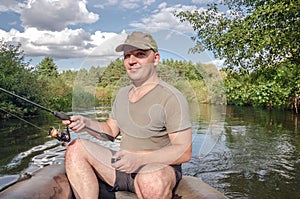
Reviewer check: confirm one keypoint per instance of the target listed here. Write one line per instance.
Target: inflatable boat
(52, 182)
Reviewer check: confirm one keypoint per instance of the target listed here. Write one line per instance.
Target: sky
(82, 33)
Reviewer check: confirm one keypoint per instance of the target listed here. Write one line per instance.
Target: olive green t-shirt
(146, 123)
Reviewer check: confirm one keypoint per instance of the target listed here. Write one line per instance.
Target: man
(153, 119)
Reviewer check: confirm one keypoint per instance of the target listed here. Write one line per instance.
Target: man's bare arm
(94, 128)
(178, 152)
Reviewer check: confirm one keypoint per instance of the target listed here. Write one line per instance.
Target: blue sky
(81, 33)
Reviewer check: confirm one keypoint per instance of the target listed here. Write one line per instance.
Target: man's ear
(156, 58)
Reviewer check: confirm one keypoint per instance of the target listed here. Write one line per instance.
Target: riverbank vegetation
(83, 89)
(259, 41)
(41, 84)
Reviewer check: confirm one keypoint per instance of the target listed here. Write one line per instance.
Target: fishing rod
(53, 132)
(56, 114)
(59, 115)
(61, 136)
(22, 119)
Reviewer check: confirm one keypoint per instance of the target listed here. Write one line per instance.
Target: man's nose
(132, 59)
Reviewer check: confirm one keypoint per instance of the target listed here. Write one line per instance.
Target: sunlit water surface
(256, 155)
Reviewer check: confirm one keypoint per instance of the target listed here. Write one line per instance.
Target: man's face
(140, 65)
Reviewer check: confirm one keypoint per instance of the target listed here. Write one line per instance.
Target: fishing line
(59, 115)
(53, 132)
(23, 120)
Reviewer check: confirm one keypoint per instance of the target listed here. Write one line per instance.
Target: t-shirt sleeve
(177, 113)
(114, 105)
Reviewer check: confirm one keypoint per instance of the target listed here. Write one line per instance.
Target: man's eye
(140, 54)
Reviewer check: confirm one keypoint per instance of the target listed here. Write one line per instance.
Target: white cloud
(149, 2)
(67, 43)
(10, 5)
(106, 3)
(56, 15)
(52, 27)
(46, 33)
(205, 1)
(130, 4)
(163, 18)
(126, 4)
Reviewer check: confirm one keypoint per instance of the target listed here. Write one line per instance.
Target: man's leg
(155, 181)
(83, 159)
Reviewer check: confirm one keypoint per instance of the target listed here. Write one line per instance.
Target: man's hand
(127, 161)
(76, 123)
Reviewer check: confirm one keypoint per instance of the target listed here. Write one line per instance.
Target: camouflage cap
(139, 40)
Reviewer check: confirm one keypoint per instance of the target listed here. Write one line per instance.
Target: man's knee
(156, 174)
(74, 150)
(154, 181)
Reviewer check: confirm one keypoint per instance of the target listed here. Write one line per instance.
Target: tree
(57, 88)
(113, 72)
(47, 68)
(255, 33)
(259, 40)
(16, 76)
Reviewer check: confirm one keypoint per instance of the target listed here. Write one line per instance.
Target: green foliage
(109, 79)
(272, 88)
(43, 86)
(112, 73)
(84, 88)
(259, 41)
(183, 69)
(46, 68)
(16, 76)
(253, 34)
(185, 76)
(68, 77)
(57, 88)
(59, 97)
(105, 95)
(82, 100)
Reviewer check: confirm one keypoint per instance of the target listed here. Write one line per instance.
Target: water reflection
(250, 153)
(208, 128)
(21, 141)
(258, 156)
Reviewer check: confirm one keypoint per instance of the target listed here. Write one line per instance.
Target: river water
(242, 152)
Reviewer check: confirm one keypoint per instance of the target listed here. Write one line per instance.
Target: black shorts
(125, 181)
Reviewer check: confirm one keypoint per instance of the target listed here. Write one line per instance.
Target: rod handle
(61, 116)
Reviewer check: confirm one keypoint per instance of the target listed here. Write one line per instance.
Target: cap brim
(130, 47)
(120, 47)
